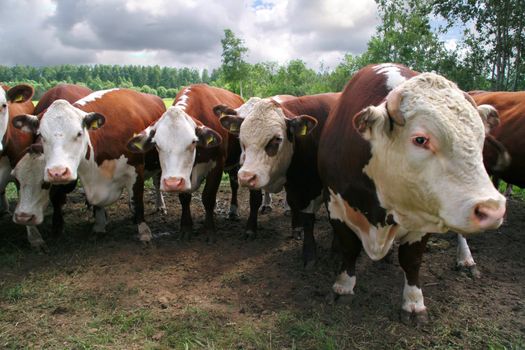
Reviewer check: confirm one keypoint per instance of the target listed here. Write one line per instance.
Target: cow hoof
(185, 234)
(266, 209)
(40, 248)
(211, 239)
(471, 270)
(298, 234)
(144, 233)
(250, 235)
(162, 210)
(341, 299)
(411, 319)
(233, 216)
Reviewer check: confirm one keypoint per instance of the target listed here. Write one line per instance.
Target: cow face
(177, 137)
(18, 94)
(426, 144)
(65, 138)
(267, 138)
(33, 195)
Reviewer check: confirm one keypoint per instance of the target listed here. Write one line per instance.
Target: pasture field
(113, 293)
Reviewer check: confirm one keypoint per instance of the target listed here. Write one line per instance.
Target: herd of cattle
(397, 155)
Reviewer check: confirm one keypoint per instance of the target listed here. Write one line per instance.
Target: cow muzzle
(24, 219)
(174, 184)
(59, 175)
(488, 214)
(247, 179)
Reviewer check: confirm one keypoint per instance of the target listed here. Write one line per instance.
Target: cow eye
(79, 134)
(4, 105)
(273, 146)
(420, 141)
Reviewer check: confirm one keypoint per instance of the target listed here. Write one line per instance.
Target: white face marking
(376, 241)
(32, 198)
(464, 256)
(413, 300)
(176, 142)
(4, 116)
(314, 205)
(183, 99)
(93, 96)
(263, 123)
(65, 141)
(344, 284)
(437, 187)
(392, 73)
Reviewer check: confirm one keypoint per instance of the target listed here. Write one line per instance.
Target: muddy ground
(237, 294)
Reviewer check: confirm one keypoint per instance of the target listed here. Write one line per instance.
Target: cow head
(426, 144)
(17, 94)
(177, 137)
(33, 195)
(65, 139)
(267, 137)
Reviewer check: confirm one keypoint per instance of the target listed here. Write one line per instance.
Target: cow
(279, 142)
(17, 142)
(13, 101)
(73, 146)
(510, 133)
(400, 156)
(192, 147)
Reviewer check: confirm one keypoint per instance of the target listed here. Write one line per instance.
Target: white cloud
(182, 33)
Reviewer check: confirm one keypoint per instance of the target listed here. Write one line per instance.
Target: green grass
(168, 102)
(11, 191)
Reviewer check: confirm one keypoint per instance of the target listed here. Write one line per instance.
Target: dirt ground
(238, 294)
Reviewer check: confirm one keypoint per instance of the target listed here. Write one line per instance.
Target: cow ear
(93, 121)
(222, 110)
(20, 93)
(208, 138)
(490, 117)
(142, 142)
(367, 118)
(231, 123)
(301, 125)
(27, 123)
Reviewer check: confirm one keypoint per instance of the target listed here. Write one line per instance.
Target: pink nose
(488, 215)
(174, 184)
(247, 179)
(24, 218)
(59, 174)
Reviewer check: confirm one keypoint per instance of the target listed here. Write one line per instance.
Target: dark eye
(273, 146)
(420, 141)
(79, 134)
(4, 105)
(194, 142)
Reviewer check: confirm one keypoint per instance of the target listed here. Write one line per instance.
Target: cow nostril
(480, 214)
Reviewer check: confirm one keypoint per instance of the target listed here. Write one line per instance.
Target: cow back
(68, 92)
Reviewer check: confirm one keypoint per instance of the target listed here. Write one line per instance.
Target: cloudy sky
(181, 32)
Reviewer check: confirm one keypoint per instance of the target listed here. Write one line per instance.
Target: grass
(168, 102)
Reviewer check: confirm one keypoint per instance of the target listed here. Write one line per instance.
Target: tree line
(488, 56)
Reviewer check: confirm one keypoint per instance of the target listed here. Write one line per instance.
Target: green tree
(234, 68)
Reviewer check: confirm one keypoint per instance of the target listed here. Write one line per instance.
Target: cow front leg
(256, 199)
(351, 248)
(4, 204)
(309, 245)
(413, 308)
(267, 203)
(297, 225)
(464, 259)
(58, 198)
(35, 240)
(144, 231)
(233, 213)
(186, 222)
(101, 219)
(160, 205)
(209, 197)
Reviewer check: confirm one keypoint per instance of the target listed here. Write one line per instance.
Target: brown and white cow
(20, 151)
(401, 156)
(279, 143)
(73, 147)
(192, 146)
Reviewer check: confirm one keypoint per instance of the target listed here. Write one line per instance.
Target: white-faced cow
(192, 147)
(401, 156)
(74, 147)
(18, 145)
(279, 143)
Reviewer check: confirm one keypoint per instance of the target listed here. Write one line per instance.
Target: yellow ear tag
(210, 139)
(234, 127)
(94, 125)
(303, 130)
(138, 145)
(19, 98)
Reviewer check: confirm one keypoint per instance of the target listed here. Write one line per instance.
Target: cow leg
(209, 198)
(186, 222)
(350, 247)
(287, 209)
(159, 198)
(256, 199)
(267, 203)
(145, 235)
(309, 246)
(4, 204)
(508, 191)
(234, 185)
(35, 240)
(5, 176)
(57, 196)
(101, 219)
(297, 225)
(410, 256)
(465, 261)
